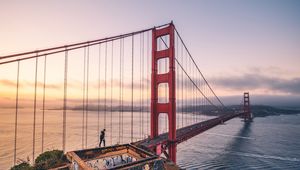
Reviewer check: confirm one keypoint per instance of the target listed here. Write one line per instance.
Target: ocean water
(271, 142)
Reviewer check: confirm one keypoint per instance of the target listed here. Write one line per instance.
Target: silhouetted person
(102, 138)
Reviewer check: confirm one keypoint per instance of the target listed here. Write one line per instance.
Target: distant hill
(262, 111)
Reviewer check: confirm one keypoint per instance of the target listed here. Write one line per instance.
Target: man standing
(102, 138)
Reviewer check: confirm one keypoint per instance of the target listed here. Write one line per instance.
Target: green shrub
(22, 166)
(50, 159)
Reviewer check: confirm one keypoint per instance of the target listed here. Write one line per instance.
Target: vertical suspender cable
(111, 90)
(132, 63)
(122, 80)
(98, 109)
(143, 52)
(44, 93)
(196, 99)
(120, 90)
(16, 115)
(34, 110)
(65, 101)
(141, 86)
(177, 86)
(83, 96)
(188, 101)
(203, 99)
(200, 105)
(148, 76)
(191, 102)
(200, 101)
(105, 84)
(205, 106)
(191, 99)
(182, 88)
(87, 94)
(140, 90)
(186, 95)
(193, 96)
(185, 91)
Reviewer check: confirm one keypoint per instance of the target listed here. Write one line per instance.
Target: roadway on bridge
(188, 132)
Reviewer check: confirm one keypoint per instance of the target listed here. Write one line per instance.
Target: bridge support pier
(169, 79)
(172, 151)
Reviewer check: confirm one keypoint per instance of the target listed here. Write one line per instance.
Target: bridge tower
(247, 111)
(169, 78)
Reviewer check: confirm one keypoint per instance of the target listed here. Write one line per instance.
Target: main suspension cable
(75, 45)
(198, 68)
(190, 77)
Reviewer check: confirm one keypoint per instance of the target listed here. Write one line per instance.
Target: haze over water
(53, 130)
(267, 142)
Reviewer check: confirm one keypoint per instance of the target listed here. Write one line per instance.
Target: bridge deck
(188, 132)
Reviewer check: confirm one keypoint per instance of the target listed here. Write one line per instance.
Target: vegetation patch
(46, 160)
(22, 166)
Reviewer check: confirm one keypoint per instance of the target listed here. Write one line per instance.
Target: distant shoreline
(257, 110)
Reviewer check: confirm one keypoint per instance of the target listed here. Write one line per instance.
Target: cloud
(257, 81)
(116, 83)
(6, 82)
(41, 85)
(272, 100)
(12, 83)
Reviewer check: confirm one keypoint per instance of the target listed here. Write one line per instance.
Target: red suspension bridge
(153, 105)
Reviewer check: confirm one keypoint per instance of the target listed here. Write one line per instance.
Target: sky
(238, 45)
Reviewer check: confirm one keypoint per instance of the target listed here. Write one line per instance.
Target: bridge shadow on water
(235, 155)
